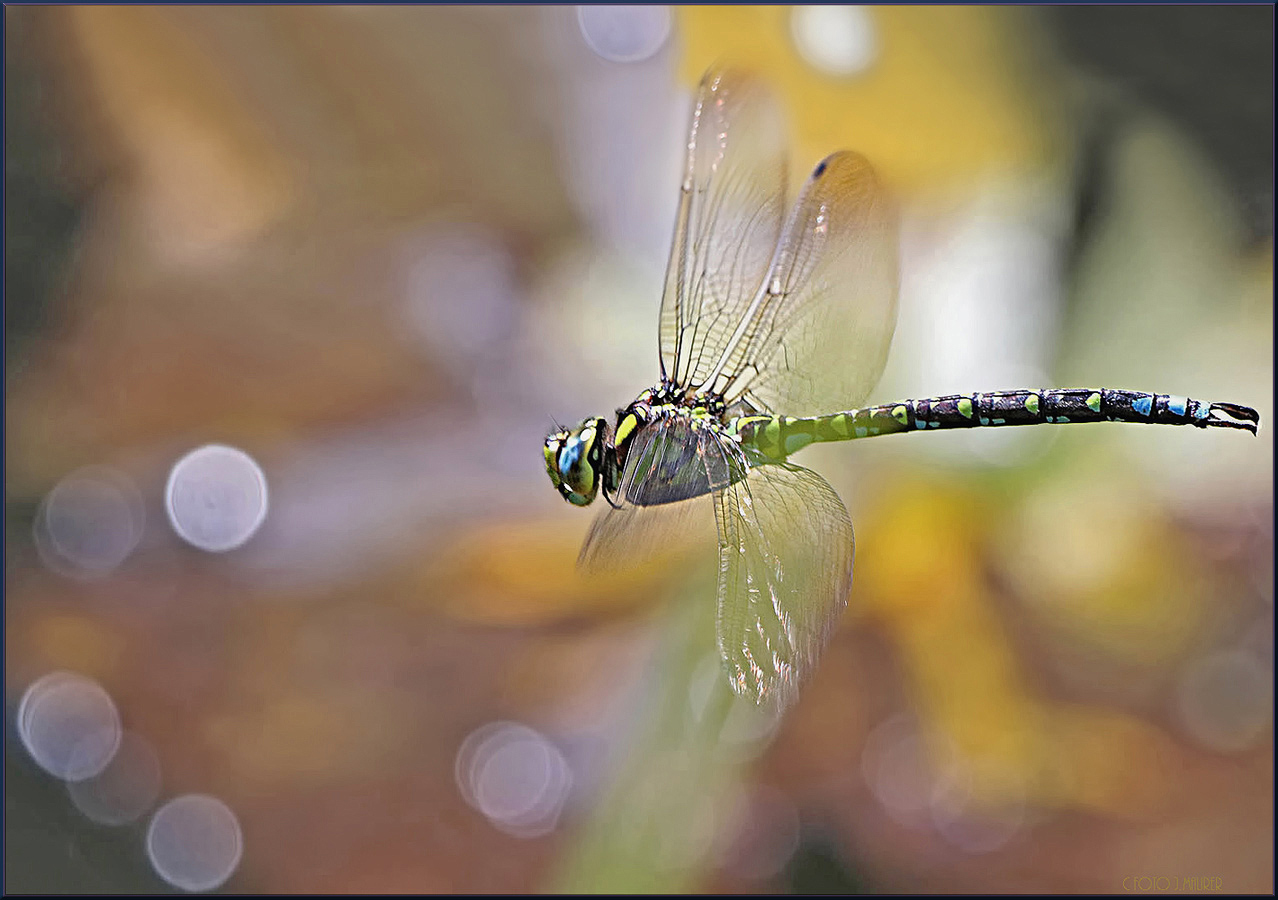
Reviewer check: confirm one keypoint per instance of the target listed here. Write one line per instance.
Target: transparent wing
(785, 547)
(731, 209)
(817, 339)
(785, 570)
(669, 461)
(626, 537)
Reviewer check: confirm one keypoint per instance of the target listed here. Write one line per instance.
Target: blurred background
(293, 295)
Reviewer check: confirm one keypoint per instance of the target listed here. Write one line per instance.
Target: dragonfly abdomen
(777, 437)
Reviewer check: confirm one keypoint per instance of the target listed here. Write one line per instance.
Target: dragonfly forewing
(676, 459)
(628, 537)
(672, 466)
(731, 210)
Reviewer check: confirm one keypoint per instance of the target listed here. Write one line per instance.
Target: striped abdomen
(779, 436)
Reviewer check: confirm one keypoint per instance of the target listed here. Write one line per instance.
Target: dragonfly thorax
(666, 400)
(591, 456)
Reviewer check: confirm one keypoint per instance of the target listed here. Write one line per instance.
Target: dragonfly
(775, 324)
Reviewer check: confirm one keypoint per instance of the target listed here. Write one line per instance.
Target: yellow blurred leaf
(947, 98)
(525, 573)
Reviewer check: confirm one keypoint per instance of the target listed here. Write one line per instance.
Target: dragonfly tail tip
(1234, 415)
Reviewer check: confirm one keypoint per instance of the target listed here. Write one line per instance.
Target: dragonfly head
(574, 460)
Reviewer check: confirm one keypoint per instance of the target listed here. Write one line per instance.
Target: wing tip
(854, 159)
(722, 74)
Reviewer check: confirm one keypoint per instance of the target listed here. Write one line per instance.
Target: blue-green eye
(574, 460)
(553, 443)
(569, 459)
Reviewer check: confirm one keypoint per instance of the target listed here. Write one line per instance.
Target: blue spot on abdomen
(1144, 404)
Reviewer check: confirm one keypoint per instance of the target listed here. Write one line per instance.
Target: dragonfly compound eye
(554, 443)
(574, 460)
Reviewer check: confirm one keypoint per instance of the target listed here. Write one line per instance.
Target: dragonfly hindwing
(785, 570)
